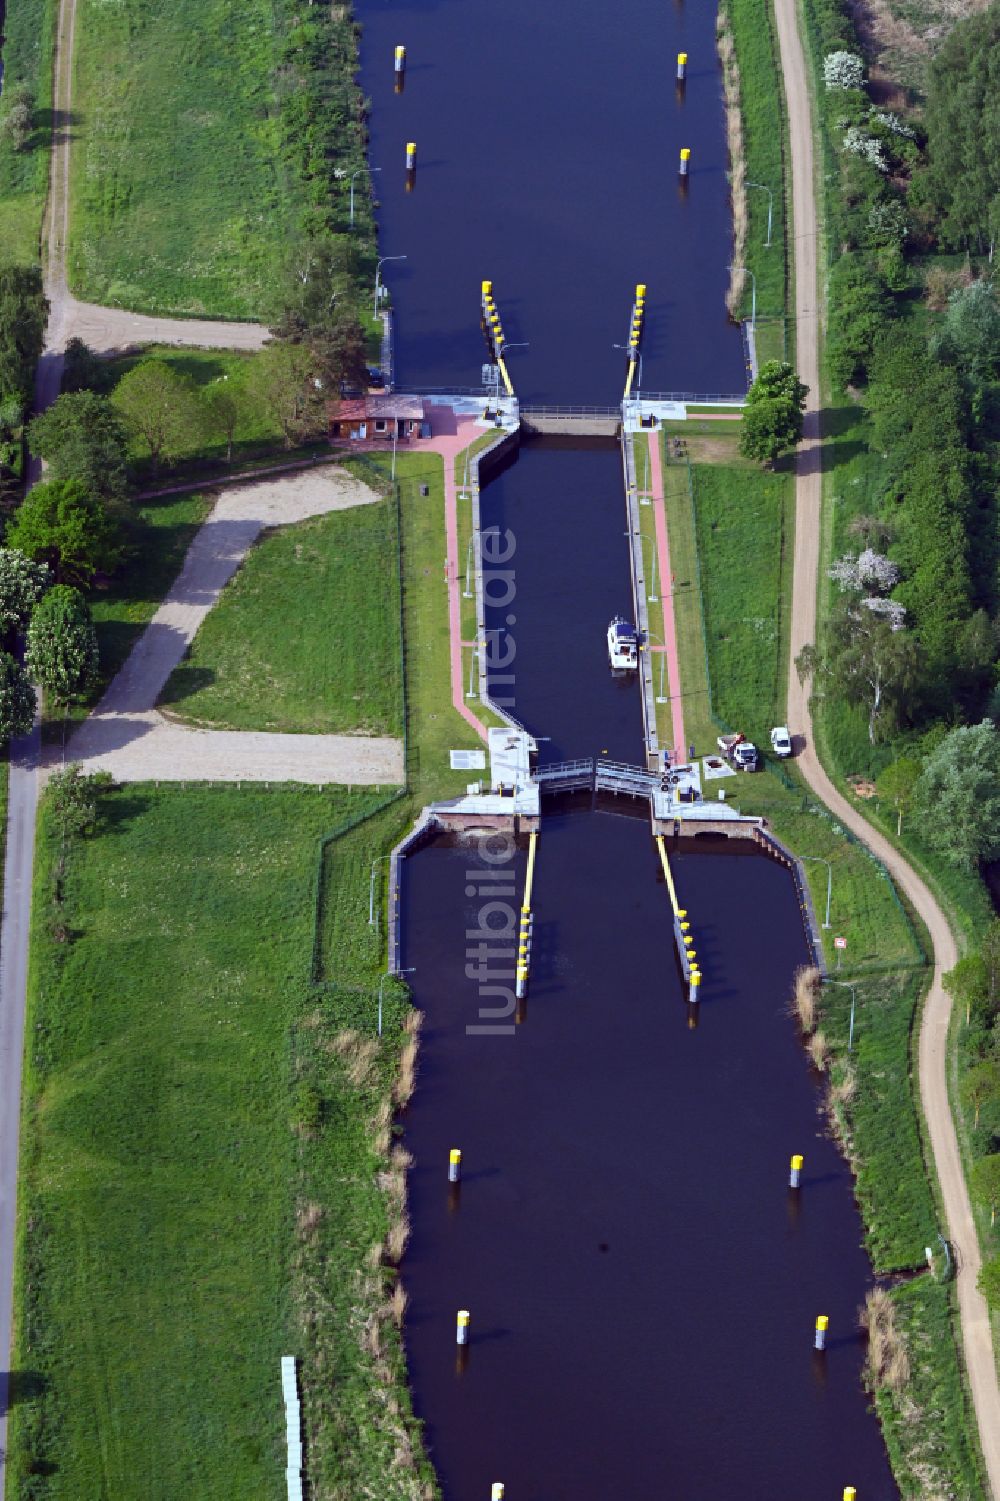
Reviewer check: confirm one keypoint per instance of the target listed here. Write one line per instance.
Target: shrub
(843, 70)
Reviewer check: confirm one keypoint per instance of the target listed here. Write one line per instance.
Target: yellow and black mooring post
(399, 69)
(822, 1325)
(524, 936)
(795, 1171)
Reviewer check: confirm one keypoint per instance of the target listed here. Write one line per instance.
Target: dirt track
(103, 328)
(933, 1041)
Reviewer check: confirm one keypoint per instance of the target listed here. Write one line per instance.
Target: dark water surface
(562, 511)
(642, 1289)
(548, 136)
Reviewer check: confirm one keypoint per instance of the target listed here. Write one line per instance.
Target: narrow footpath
(932, 1057)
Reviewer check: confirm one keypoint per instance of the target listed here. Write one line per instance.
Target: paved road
(932, 1053)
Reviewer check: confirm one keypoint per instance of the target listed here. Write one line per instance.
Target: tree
(63, 525)
(24, 312)
(858, 309)
(82, 437)
(22, 584)
(968, 983)
(989, 1282)
(772, 416)
(963, 127)
(222, 412)
(83, 369)
(18, 118)
(73, 799)
(984, 1183)
(989, 948)
(61, 651)
(980, 1086)
(896, 784)
(17, 699)
(958, 795)
(281, 382)
(161, 407)
(970, 337)
(869, 659)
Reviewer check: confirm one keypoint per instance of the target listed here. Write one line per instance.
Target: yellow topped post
(795, 1171)
(400, 59)
(682, 62)
(822, 1325)
(454, 1165)
(685, 159)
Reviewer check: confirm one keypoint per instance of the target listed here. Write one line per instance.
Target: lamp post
(770, 208)
(753, 298)
(852, 987)
(371, 890)
(829, 881)
(467, 592)
(473, 657)
(662, 699)
(353, 176)
(381, 983)
(378, 271)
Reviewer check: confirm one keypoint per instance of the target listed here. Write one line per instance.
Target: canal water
(642, 1288)
(548, 137)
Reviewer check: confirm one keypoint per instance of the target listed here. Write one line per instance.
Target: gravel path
(128, 737)
(932, 1053)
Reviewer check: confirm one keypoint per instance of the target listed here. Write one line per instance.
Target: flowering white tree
(889, 609)
(859, 143)
(843, 70)
(870, 570)
(893, 122)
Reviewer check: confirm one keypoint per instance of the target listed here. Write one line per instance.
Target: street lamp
(388, 975)
(378, 271)
(829, 881)
(770, 208)
(851, 986)
(371, 889)
(353, 176)
(467, 592)
(753, 301)
(662, 699)
(653, 597)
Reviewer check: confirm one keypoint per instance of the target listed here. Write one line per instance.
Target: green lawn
(178, 200)
(744, 523)
(161, 1170)
(24, 175)
(306, 635)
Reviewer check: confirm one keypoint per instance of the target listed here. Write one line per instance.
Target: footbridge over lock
(571, 421)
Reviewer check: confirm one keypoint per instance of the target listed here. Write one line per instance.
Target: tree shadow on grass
(185, 681)
(117, 813)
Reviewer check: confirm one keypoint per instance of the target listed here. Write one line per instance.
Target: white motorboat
(623, 646)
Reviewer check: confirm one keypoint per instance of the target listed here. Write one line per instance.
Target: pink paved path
(667, 596)
(451, 434)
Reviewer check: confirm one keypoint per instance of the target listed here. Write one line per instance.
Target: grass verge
(27, 60)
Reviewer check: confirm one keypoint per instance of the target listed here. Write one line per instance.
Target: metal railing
(699, 398)
(566, 776)
(618, 777)
(532, 410)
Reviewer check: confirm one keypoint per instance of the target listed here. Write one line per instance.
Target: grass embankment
(306, 636)
(209, 145)
(764, 133)
(24, 175)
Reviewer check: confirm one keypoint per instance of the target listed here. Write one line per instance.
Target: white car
(781, 741)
